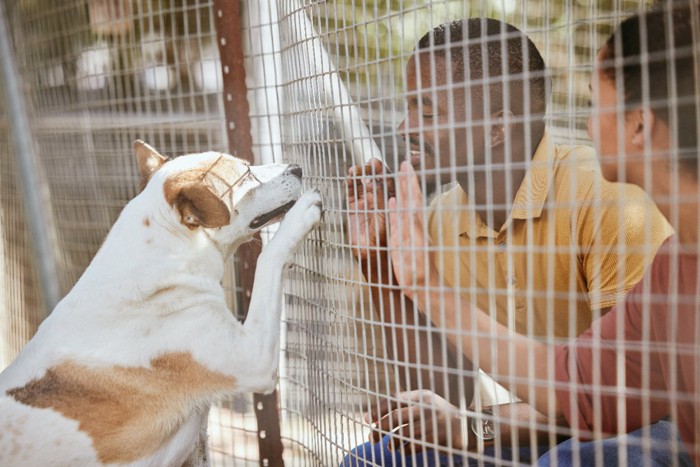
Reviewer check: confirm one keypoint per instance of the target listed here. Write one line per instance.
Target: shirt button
(511, 280)
(502, 245)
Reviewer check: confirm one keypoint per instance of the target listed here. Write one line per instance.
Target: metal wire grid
(98, 75)
(336, 364)
(87, 74)
(94, 94)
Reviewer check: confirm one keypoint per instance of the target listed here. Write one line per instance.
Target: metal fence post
(34, 186)
(236, 109)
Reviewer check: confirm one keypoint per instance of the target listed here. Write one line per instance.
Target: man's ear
(500, 124)
(148, 160)
(641, 123)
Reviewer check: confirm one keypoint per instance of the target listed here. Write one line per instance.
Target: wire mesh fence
(522, 222)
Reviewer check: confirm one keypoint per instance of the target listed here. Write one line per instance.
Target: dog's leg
(297, 224)
(199, 457)
(262, 325)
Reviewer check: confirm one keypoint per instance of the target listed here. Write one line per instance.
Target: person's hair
(481, 49)
(656, 53)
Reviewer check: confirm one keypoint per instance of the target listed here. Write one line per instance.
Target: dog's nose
(294, 170)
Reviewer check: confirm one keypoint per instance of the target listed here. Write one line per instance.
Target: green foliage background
(371, 40)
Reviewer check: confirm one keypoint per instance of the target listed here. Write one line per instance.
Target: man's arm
(427, 418)
(410, 337)
(404, 326)
(518, 424)
(420, 281)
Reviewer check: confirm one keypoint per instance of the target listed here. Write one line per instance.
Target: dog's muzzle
(260, 221)
(277, 213)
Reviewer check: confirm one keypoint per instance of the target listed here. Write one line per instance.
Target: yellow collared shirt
(573, 244)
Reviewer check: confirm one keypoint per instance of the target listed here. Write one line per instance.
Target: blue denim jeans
(370, 454)
(648, 446)
(655, 452)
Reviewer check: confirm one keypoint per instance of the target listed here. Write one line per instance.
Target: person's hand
(367, 188)
(409, 241)
(416, 421)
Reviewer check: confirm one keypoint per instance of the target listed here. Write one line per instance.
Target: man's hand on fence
(367, 188)
(409, 241)
(417, 421)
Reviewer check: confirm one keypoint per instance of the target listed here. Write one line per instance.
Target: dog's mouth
(272, 216)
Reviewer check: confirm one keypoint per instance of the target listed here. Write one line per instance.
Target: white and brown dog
(125, 368)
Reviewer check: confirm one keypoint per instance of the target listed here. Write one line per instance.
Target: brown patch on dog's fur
(195, 201)
(129, 412)
(147, 222)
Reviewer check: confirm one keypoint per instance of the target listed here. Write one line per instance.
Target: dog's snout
(294, 170)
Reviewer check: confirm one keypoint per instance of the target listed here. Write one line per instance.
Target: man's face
(619, 137)
(438, 127)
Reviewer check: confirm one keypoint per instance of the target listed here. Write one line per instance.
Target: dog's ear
(198, 206)
(148, 160)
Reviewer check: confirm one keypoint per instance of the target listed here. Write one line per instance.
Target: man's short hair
(476, 49)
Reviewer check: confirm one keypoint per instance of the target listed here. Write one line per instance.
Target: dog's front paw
(299, 221)
(308, 209)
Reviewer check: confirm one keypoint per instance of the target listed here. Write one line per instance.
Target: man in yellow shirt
(573, 246)
(531, 231)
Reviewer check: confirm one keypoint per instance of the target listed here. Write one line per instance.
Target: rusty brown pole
(227, 16)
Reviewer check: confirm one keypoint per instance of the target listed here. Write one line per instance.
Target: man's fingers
(373, 176)
(398, 410)
(415, 435)
(419, 421)
(388, 415)
(353, 182)
(409, 186)
(350, 187)
(372, 167)
(418, 436)
(382, 408)
(377, 412)
(358, 189)
(380, 175)
(393, 420)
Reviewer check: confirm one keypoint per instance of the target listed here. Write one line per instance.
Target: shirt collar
(469, 222)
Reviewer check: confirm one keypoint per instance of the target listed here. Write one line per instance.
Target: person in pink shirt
(639, 363)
